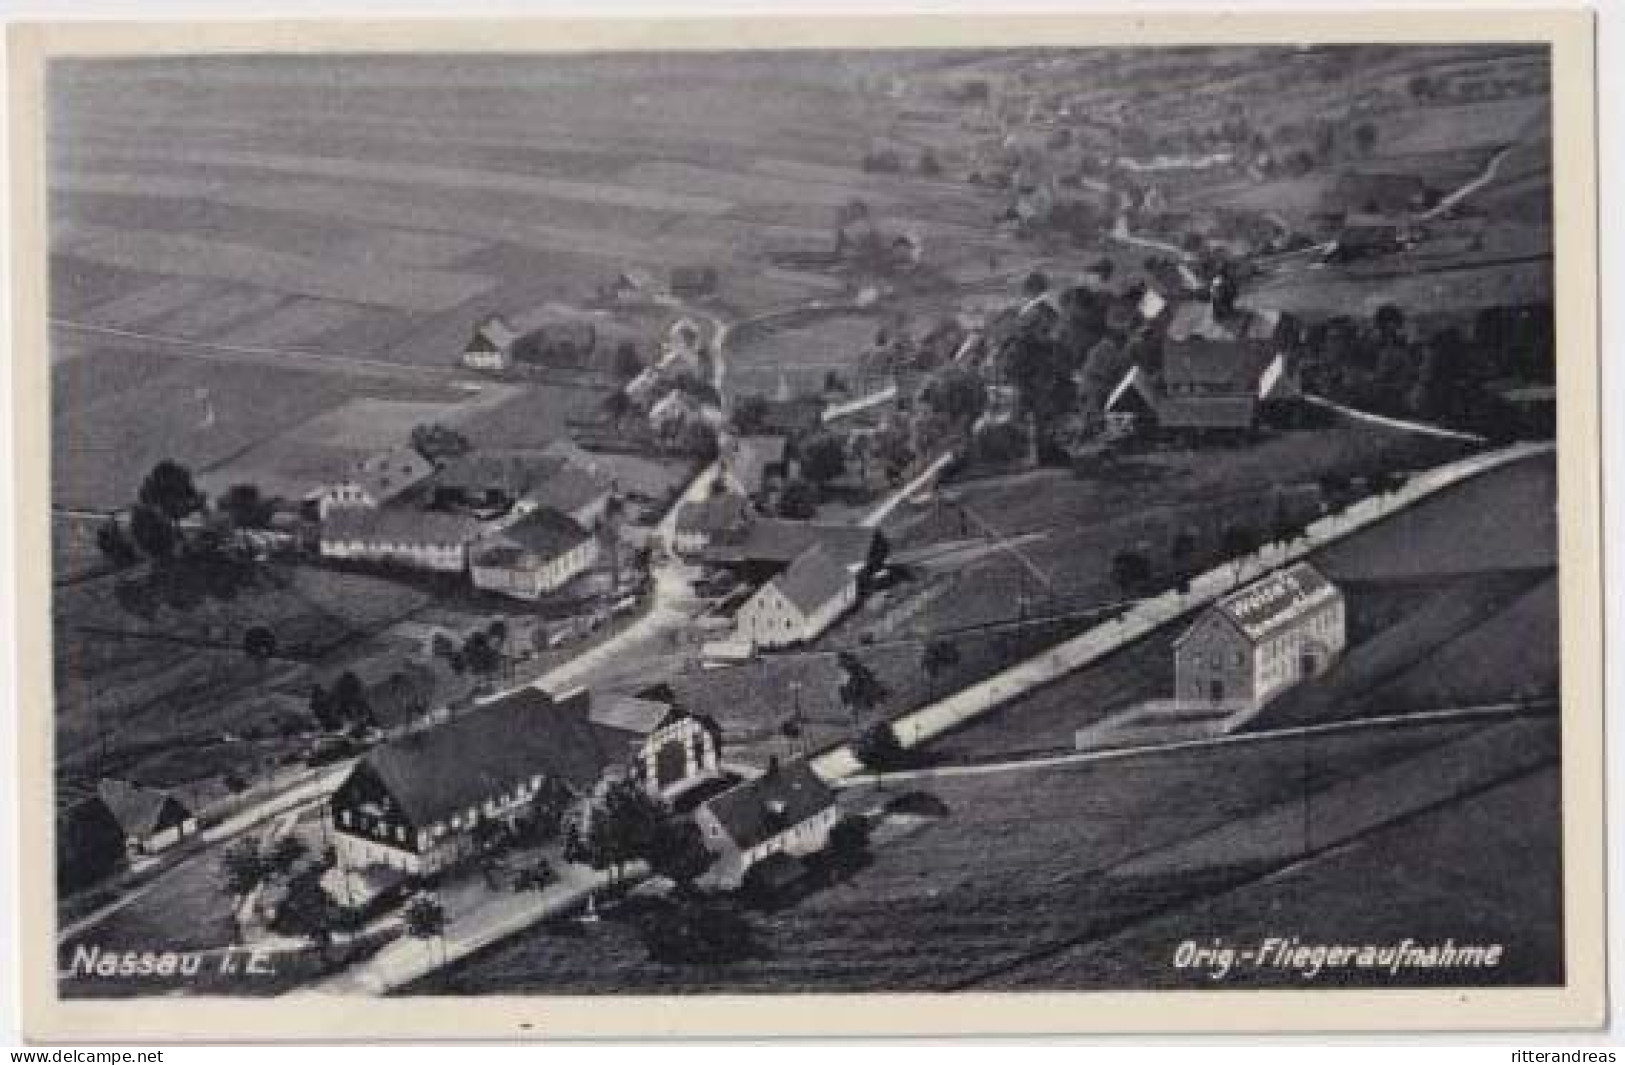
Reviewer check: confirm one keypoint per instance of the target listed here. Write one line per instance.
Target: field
(382, 218)
(1028, 863)
(1437, 598)
(151, 679)
(980, 540)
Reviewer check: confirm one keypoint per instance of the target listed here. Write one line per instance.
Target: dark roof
(568, 488)
(631, 714)
(797, 415)
(139, 811)
(777, 542)
(1227, 366)
(544, 533)
(389, 473)
(408, 525)
(1277, 599)
(779, 799)
(812, 580)
(718, 514)
(1206, 412)
(490, 750)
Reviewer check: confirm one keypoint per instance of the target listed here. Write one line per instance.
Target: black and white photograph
(704, 521)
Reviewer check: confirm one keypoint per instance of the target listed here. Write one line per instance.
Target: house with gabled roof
(799, 604)
(670, 750)
(491, 346)
(540, 553)
(400, 536)
(787, 810)
(719, 519)
(375, 480)
(151, 819)
(1261, 640)
(416, 803)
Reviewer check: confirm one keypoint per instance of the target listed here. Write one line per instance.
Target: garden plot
(218, 311)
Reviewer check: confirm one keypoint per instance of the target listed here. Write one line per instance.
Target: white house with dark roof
(401, 536)
(670, 749)
(415, 803)
(152, 820)
(538, 554)
(1261, 640)
(491, 346)
(718, 519)
(787, 810)
(375, 480)
(800, 603)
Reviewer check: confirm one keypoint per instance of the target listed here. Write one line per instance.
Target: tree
(425, 919)
(169, 490)
(242, 867)
(938, 657)
(1035, 284)
(677, 850)
(437, 441)
(307, 910)
(1131, 571)
(618, 405)
(153, 532)
(1390, 323)
(481, 656)
(259, 642)
(861, 692)
(1237, 542)
(1182, 552)
(929, 165)
(247, 509)
(878, 748)
(627, 363)
(956, 393)
(750, 414)
(324, 709)
(115, 544)
(285, 853)
(623, 828)
(350, 701)
(1001, 442)
(798, 501)
(823, 458)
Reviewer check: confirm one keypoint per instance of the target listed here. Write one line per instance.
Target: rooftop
(779, 799)
(812, 580)
(400, 524)
(488, 752)
(1277, 599)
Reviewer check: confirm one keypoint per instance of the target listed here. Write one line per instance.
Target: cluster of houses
(805, 574)
(1222, 366)
(421, 804)
(519, 523)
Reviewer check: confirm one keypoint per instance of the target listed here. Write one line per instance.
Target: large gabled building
(799, 604)
(1260, 640)
(416, 803)
(538, 554)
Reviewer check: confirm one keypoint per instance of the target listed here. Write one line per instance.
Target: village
(681, 615)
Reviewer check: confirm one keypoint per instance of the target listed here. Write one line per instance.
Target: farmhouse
(539, 553)
(491, 346)
(673, 413)
(151, 820)
(798, 604)
(400, 536)
(375, 480)
(701, 523)
(669, 750)
(1261, 640)
(786, 810)
(680, 351)
(414, 804)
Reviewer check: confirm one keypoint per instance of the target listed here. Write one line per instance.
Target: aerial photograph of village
(1026, 519)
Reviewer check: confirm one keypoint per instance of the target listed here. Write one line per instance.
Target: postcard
(808, 527)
